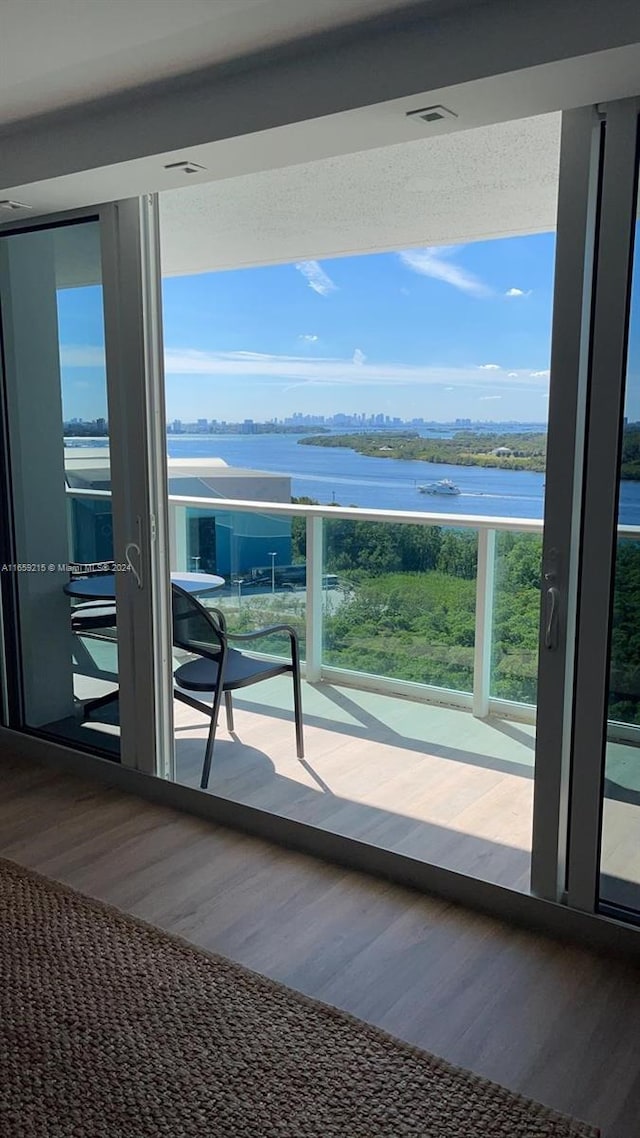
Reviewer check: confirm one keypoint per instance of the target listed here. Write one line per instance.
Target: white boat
(444, 486)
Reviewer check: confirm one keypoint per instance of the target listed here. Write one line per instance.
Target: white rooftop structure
(88, 467)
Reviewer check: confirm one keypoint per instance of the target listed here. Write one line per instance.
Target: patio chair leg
(211, 738)
(297, 709)
(228, 702)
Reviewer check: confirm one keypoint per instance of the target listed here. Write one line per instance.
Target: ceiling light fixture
(185, 167)
(432, 114)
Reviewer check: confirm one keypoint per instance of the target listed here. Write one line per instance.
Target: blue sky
(442, 333)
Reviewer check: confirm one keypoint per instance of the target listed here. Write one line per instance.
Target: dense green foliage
(527, 451)
(466, 448)
(624, 694)
(408, 609)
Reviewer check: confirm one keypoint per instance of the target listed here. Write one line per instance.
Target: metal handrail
(356, 513)
(362, 514)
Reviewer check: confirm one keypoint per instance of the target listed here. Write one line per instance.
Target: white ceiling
(54, 53)
(492, 181)
(362, 179)
(467, 186)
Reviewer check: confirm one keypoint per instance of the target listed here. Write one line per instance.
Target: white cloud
(316, 277)
(512, 375)
(329, 370)
(308, 338)
(487, 398)
(318, 370)
(432, 261)
(518, 292)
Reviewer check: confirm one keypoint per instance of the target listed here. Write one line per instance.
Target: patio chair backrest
(195, 629)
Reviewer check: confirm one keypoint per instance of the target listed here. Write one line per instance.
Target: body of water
(335, 474)
(331, 474)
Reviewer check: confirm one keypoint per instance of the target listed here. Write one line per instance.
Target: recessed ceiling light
(432, 114)
(9, 205)
(185, 167)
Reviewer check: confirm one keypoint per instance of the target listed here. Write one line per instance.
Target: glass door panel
(59, 564)
(620, 849)
(413, 383)
(601, 866)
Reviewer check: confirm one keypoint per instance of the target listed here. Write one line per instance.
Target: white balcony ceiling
(493, 181)
(57, 53)
(489, 182)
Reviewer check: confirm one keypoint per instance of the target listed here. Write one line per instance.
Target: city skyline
(298, 419)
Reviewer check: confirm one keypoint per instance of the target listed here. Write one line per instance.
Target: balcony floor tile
(430, 782)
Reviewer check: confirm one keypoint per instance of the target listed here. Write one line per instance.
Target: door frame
(588, 338)
(131, 283)
(577, 220)
(609, 335)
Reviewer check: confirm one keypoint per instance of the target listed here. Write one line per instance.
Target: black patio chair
(220, 669)
(88, 619)
(91, 615)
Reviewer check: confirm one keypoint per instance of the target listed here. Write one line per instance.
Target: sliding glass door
(620, 849)
(388, 491)
(451, 619)
(80, 540)
(467, 632)
(59, 460)
(604, 857)
(602, 736)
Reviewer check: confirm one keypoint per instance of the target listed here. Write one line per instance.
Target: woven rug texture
(110, 1028)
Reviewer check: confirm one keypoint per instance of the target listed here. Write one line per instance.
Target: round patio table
(102, 587)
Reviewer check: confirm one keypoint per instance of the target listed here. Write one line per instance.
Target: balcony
(419, 636)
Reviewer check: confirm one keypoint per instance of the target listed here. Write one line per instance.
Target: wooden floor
(551, 1021)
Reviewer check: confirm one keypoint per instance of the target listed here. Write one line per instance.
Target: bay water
(338, 475)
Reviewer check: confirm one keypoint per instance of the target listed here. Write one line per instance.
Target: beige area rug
(112, 1028)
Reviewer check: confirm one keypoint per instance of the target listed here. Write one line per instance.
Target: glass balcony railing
(443, 608)
(407, 608)
(515, 615)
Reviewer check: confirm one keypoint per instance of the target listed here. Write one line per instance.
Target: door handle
(552, 599)
(134, 547)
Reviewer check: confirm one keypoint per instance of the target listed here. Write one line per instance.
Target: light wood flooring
(554, 1022)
